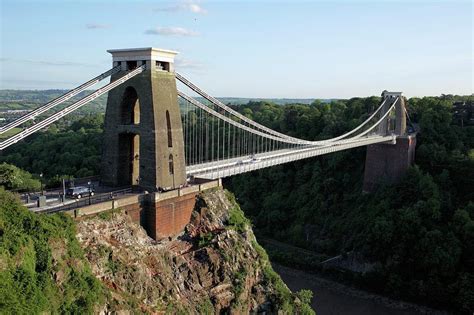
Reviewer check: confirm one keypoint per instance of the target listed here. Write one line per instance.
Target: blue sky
(294, 49)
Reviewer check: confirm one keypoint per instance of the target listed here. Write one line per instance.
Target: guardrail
(57, 191)
(86, 201)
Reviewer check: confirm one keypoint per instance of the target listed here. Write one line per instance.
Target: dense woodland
(419, 233)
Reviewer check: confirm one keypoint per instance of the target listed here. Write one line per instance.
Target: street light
(41, 179)
(89, 183)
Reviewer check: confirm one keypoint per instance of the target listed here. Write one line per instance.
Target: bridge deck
(234, 166)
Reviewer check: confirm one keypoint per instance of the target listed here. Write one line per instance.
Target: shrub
(205, 239)
(14, 178)
(27, 274)
(237, 219)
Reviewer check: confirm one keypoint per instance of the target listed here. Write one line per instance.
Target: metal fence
(56, 192)
(86, 201)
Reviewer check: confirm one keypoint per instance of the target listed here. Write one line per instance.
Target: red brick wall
(387, 163)
(169, 217)
(134, 211)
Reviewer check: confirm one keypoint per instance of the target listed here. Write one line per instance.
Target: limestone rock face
(214, 266)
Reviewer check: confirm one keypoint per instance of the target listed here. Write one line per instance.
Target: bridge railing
(86, 201)
(31, 196)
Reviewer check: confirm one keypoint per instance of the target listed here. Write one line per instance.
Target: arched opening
(130, 107)
(171, 164)
(168, 128)
(162, 66)
(129, 159)
(391, 122)
(131, 65)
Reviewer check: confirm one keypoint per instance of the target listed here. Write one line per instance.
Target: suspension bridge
(161, 138)
(217, 140)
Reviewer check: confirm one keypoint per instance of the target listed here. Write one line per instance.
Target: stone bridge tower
(143, 139)
(386, 163)
(395, 124)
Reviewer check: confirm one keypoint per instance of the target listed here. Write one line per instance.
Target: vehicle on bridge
(79, 192)
(255, 159)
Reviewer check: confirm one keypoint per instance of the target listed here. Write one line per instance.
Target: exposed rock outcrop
(214, 266)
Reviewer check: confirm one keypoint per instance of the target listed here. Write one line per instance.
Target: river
(332, 298)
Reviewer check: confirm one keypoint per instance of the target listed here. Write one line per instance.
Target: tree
(14, 178)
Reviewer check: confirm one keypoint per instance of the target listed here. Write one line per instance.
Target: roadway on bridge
(238, 165)
(102, 194)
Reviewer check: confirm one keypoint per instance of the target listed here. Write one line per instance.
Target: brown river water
(332, 298)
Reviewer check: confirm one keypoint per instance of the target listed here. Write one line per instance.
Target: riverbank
(332, 298)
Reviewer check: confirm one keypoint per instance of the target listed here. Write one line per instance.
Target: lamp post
(41, 179)
(64, 190)
(89, 183)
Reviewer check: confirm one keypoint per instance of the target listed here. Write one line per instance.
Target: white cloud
(188, 64)
(195, 8)
(189, 6)
(94, 26)
(171, 31)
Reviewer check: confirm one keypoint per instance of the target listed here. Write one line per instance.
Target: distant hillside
(29, 99)
(278, 101)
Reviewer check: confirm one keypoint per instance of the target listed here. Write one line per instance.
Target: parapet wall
(386, 163)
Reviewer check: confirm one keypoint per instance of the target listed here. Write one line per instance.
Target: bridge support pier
(164, 214)
(166, 218)
(386, 163)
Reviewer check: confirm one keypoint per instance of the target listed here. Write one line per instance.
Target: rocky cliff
(214, 266)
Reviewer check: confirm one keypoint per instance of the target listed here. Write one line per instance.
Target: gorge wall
(214, 266)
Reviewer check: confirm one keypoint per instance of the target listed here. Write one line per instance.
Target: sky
(255, 49)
